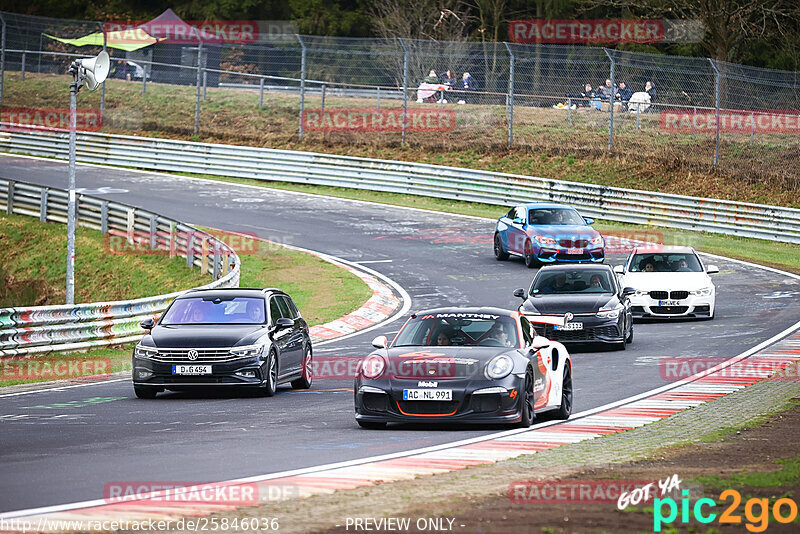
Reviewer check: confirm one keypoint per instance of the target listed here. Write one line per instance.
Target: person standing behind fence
(467, 86)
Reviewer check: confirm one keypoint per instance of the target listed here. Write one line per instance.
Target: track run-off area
(64, 445)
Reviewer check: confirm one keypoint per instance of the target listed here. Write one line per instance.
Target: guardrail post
(204, 255)
(104, 217)
(197, 92)
(405, 90)
(153, 232)
(611, 103)
(302, 83)
(10, 198)
(172, 246)
(22, 68)
(2, 57)
(716, 108)
(261, 93)
(322, 106)
(510, 94)
(190, 250)
(43, 204)
(131, 224)
(215, 266)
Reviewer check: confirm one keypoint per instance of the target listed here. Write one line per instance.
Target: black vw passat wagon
(243, 337)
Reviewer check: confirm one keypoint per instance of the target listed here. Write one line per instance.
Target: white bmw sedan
(670, 281)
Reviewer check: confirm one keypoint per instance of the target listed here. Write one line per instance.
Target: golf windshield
(555, 216)
(666, 263)
(573, 282)
(459, 329)
(215, 310)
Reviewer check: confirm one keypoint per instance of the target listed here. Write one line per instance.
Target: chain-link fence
(566, 99)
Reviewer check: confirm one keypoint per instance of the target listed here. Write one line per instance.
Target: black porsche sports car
(601, 309)
(243, 337)
(464, 365)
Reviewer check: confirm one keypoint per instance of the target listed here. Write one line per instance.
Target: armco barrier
(39, 329)
(610, 203)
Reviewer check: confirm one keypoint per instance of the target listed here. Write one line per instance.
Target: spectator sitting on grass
(624, 93)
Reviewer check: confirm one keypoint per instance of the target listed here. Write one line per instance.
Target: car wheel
(527, 402)
(271, 382)
(565, 410)
(371, 425)
(145, 392)
(304, 382)
(499, 253)
(530, 257)
(629, 339)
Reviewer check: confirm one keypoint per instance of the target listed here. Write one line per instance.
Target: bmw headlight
(703, 292)
(609, 313)
(597, 240)
(248, 351)
(641, 293)
(141, 351)
(545, 240)
(499, 367)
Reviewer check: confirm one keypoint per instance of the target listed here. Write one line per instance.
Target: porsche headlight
(373, 366)
(703, 292)
(248, 351)
(499, 367)
(609, 313)
(141, 351)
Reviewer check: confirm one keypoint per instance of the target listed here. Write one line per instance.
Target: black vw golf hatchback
(241, 337)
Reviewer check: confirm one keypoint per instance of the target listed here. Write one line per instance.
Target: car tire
(527, 411)
(565, 410)
(145, 392)
(629, 339)
(304, 382)
(371, 425)
(499, 253)
(530, 258)
(271, 382)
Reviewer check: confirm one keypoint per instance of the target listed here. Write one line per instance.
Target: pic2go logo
(756, 511)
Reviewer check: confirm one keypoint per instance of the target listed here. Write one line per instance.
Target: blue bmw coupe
(544, 233)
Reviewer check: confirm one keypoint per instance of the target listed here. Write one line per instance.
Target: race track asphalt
(62, 446)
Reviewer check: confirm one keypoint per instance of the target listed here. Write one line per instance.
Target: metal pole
(22, 68)
(694, 118)
(197, 92)
(73, 104)
(637, 116)
(322, 106)
(302, 84)
(103, 88)
(205, 80)
(510, 95)
(261, 93)
(379, 98)
(752, 127)
(611, 106)
(405, 91)
(144, 81)
(569, 111)
(2, 58)
(716, 107)
(39, 67)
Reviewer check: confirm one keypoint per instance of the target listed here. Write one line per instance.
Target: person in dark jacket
(448, 78)
(604, 92)
(431, 77)
(650, 89)
(467, 85)
(623, 93)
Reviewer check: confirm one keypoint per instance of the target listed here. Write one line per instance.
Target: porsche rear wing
(557, 320)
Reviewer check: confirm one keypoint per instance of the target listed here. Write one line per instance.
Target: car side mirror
(619, 269)
(712, 269)
(588, 220)
(147, 324)
(518, 220)
(539, 342)
(628, 291)
(380, 342)
(520, 293)
(283, 322)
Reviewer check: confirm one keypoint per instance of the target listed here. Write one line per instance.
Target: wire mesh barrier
(38, 329)
(446, 94)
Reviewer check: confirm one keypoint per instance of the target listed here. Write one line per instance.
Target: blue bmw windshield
(555, 216)
(215, 310)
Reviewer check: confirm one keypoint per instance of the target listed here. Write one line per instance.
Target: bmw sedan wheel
(527, 402)
(304, 382)
(530, 257)
(565, 410)
(499, 253)
(271, 382)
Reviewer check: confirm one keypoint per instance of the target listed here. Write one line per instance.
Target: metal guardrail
(610, 203)
(30, 330)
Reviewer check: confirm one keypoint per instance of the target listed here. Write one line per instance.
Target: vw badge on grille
(192, 354)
